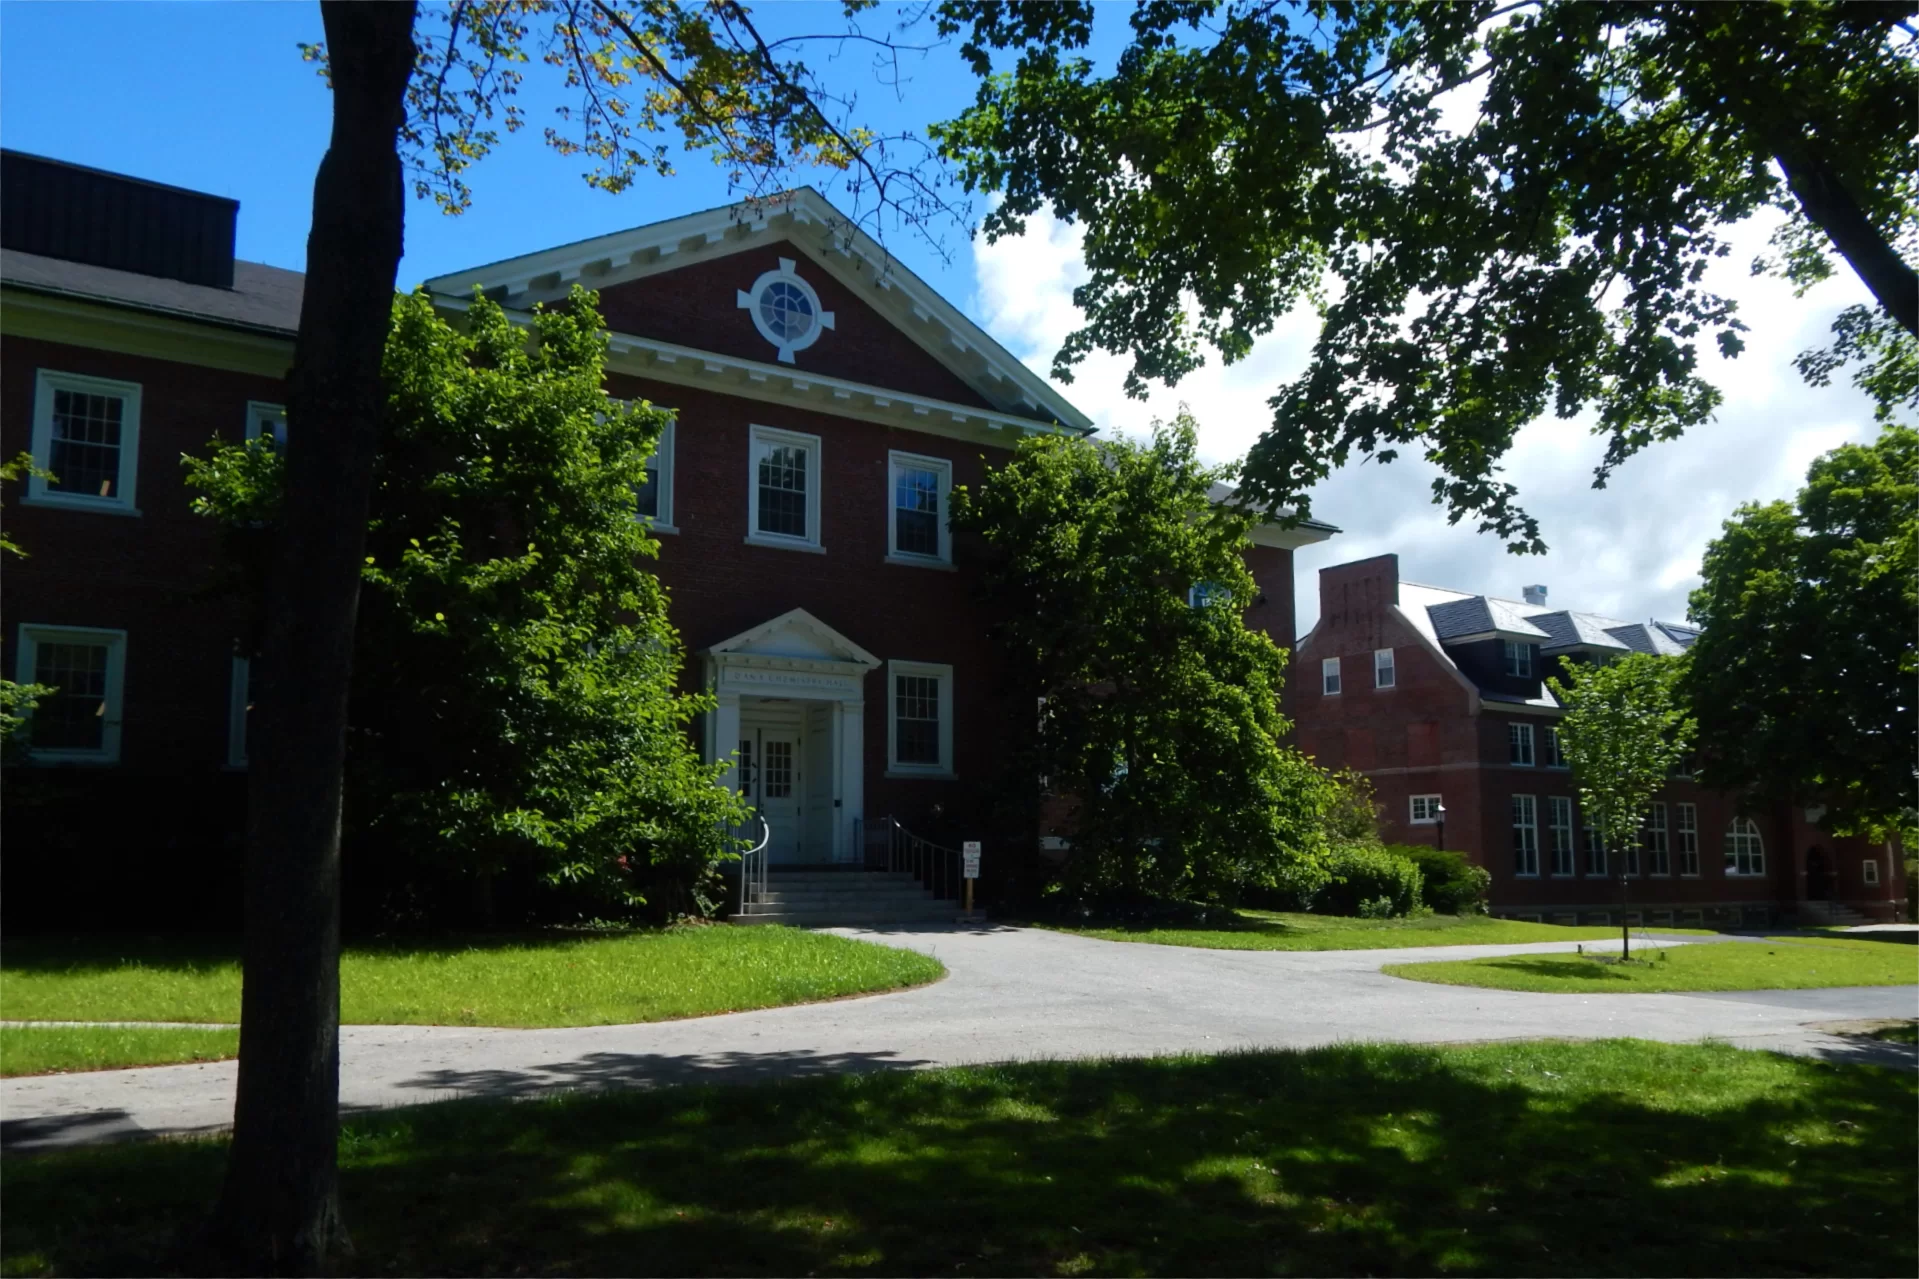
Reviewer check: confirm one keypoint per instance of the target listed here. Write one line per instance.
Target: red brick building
(827, 398)
(1439, 697)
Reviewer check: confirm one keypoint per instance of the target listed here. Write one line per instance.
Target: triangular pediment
(795, 636)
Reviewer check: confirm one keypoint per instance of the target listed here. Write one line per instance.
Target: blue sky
(214, 97)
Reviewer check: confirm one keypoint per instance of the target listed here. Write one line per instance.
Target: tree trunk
(1824, 199)
(278, 1210)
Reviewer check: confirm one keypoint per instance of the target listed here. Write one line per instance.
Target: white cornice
(133, 331)
(806, 219)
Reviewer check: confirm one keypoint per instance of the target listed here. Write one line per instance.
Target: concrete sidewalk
(1012, 993)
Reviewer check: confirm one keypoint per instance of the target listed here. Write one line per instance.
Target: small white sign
(970, 852)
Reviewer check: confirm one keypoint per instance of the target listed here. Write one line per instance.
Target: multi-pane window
(1686, 827)
(1384, 675)
(240, 700)
(1525, 835)
(267, 422)
(1206, 594)
(1869, 871)
(80, 719)
(86, 432)
(1745, 853)
(1519, 660)
(777, 766)
(1329, 676)
(784, 488)
(1552, 755)
(1595, 853)
(1426, 809)
(654, 496)
(1658, 853)
(1519, 744)
(917, 508)
(920, 720)
(1559, 829)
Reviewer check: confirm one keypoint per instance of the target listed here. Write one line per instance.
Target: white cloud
(1631, 550)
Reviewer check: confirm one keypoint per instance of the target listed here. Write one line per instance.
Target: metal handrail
(753, 863)
(890, 846)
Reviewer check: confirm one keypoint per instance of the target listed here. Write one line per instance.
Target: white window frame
(1598, 857)
(944, 674)
(1518, 655)
(1559, 826)
(1525, 823)
(1552, 750)
(772, 437)
(257, 410)
(1432, 806)
(1686, 826)
(1385, 673)
(661, 464)
(1516, 735)
(1869, 871)
(1756, 860)
(896, 462)
(237, 707)
(1658, 843)
(1329, 677)
(32, 635)
(45, 383)
(749, 300)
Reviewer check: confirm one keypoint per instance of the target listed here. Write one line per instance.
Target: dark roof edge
(147, 308)
(121, 177)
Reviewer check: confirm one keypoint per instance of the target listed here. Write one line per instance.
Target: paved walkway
(1012, 993)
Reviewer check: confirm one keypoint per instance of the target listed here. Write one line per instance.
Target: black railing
(886, 845)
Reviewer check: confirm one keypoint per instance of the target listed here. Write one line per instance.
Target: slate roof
(1574, 630)
(1480, 615)
(263, 298)
(1652, 637)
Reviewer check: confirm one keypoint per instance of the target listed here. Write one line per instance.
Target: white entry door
(770, 782)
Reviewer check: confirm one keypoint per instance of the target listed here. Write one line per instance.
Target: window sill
(785, 544)
(94, 504)
(662, 528)
(49, 759)
(916, 561)
(927, 775)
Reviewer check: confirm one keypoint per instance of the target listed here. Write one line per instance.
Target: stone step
(932, 912)
(879, 897)
(776, 878)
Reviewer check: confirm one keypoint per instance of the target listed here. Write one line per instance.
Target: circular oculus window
(786, 310)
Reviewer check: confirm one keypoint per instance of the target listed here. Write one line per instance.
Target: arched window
(1745, 851)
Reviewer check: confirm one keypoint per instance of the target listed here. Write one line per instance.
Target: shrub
(1450, 883)
(1364, 874)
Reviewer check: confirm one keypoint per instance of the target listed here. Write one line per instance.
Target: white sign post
(969, 868)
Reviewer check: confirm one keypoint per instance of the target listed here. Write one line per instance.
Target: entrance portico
(791, 714)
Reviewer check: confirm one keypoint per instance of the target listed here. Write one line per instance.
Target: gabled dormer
(1493, 644)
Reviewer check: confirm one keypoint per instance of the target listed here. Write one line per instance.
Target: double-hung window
(1554, 757)
(1869, 871)
(1329, 676)
(1658, 852)
(1525, 836)
(1519, 660)
(240, 695)
(79, 721)
(86, 432)
(653, 499)
(1385, 675)
(1559, 828)
(918, 489)
(919, 720)
(1595, 853)
(267, 422)
(1425, 810)
(1687, 829)
(1519, 745)
(783, 489)
(1745, 851)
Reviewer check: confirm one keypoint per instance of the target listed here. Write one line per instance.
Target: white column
(852, 778)
(724, 736)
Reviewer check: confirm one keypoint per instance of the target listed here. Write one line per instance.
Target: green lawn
(1774, 964)
(1614, 1158)
(1286, 930)
(43, 1050)
(583, 981)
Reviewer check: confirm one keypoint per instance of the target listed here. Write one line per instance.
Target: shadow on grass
(603, 1070)
(1562, 967)
(1616, 1158)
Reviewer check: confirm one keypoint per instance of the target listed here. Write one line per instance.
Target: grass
(1285, 930)
(582, 981)
(1904, 1032)
(1775, 964)
(1612, 1158)
(46, 1050)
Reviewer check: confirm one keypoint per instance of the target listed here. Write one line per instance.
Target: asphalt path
(1011, 994)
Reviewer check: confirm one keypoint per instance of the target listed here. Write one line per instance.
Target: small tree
(1623, 732)
(17, 700)
(1123, 591)
(514, 692)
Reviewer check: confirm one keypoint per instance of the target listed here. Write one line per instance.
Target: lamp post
(1439, 828)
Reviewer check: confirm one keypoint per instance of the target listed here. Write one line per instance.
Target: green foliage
(1624, 733)
(17, 700)
(515, 704)
(1353, 816)
(1449, 883)
(1803, 676)
(1473, 270)
(1369, 881)
(1158, 717)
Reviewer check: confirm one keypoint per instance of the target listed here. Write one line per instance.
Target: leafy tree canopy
(515, 699)
(1548, 252)
(1803, 676)
(1122, 591)
(1624, 733)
